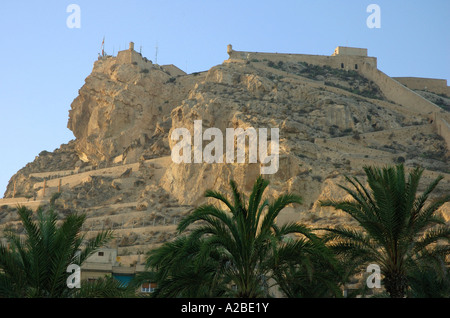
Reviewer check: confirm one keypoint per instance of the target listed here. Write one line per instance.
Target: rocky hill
(119, 169)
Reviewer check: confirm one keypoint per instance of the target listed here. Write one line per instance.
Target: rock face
(119, 171)
(64, 158)
(123, 107)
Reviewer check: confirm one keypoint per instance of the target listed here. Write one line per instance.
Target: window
(356, 66)
(342, 65)
(148, 287)
(100, 253)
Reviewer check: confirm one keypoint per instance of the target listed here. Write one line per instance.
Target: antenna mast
(103, 46)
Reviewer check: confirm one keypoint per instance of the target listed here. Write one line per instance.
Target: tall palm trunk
(396, 284)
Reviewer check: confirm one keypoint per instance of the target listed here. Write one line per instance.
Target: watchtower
(229, 49)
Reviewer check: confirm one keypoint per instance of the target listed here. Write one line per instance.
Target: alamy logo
(374, 20)
(74, 279)
(213, 151)
(374, 279)
(74, 19)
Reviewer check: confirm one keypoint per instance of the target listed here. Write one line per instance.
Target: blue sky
(44, 63)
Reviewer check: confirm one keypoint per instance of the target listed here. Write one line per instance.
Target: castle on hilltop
(347, 58)
(398, 90)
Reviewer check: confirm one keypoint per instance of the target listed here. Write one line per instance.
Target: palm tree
(307, 271)
(248, 248)
(35, 266)
(425, 282)
(398, 229)
(105, 287)
(179, 270)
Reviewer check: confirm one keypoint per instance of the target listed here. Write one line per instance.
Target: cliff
(119, 171)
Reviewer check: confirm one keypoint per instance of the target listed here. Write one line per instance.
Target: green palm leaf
(397, 224)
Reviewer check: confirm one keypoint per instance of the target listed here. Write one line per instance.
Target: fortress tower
(349, 51)
(229, 49)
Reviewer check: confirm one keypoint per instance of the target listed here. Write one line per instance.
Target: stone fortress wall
(441, 123)
(398, 93)
(437, 86)
(351, 60)
(348, 58)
